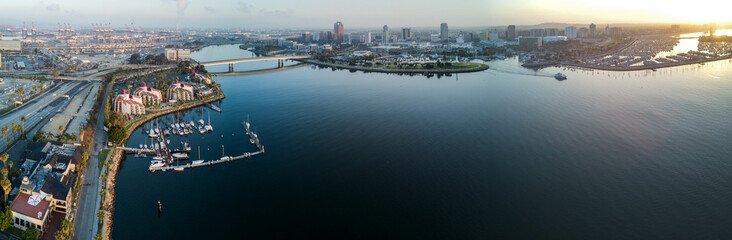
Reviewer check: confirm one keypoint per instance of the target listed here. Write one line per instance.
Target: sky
(321, 14)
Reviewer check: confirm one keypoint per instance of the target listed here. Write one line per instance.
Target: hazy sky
(357, 14)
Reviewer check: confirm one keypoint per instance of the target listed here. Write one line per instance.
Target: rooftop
(23, 206)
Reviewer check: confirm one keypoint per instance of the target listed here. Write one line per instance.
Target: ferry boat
(560, 76)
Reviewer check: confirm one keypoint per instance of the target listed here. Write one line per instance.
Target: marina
(165, 158)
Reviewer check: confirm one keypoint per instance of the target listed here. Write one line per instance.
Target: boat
(201, 129)
(159, 158)
(560, 76)
(178, 169)
(197, 162)
(180, 155)
(225, 158)
(251, 141)
(209, 127)
(157, 164)
(200, 122)
(166, 132)
(175, 131)
(145, 145)
(153, 134)
(140, 145)
(186, 146)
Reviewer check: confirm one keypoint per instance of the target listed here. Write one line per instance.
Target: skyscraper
(406, 33)
(511, 32)
(367, 38)
(443, 31)
(338, 32)
(385, 35)
(592, 29)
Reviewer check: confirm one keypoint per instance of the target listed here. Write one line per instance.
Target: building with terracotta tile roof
(30, 211)
(179, 91)
(150, 96)
(129, 104)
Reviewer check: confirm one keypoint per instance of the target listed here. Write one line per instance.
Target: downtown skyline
(319, 14)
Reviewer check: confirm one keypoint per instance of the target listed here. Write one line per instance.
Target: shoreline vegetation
(638, 68)
(109, 181)
(455, 68)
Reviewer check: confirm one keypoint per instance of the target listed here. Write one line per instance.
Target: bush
(117, 133)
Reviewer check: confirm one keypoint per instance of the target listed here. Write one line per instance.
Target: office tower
(338, 32)
(570, 32)
(511, 32)
(443, 32)
(406, 33)
(385, 35)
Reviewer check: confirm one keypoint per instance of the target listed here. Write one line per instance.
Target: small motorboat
(180, 155)
(560, 76)
(197, 162)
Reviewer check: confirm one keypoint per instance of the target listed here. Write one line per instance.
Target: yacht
(225, 158)
(560, 76)
(180, 155)
(157, 164)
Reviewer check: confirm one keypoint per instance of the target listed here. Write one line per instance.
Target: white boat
(225, 158)
(560, 76)
(157, 164)
(200, 122)
(179, 155)
(140, 145)
(178, 169)
(193, 124)
(251, 140)
(158, 158)
(166, 132)
(145, 145)
(153, 134)
(197, 162)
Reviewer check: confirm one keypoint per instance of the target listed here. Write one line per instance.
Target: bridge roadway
(232, 61)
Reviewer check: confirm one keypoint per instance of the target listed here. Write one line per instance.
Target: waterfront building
(406, 33)
(530, 43)
(593, 29)
(180, 91)
(177, 54)
(511, 32)
(150, 96)
(128, 104)
(570, 32)
(385, 35)
(443, 32)
(338, 32)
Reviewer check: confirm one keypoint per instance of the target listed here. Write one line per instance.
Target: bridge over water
(231, 62)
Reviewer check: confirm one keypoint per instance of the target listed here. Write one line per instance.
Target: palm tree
(22, 124)
(4, 159)
(4, 131)
(14, 128)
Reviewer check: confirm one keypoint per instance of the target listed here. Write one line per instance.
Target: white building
(176, 54)
(570, 32)
(180, 91)
(128, 104)
(150, 96)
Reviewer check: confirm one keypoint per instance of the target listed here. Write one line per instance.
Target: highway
(35, 110)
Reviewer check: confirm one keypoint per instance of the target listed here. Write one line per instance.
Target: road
(85, 222)
(35, 110)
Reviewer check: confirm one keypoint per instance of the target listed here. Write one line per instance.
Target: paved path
(86, 220)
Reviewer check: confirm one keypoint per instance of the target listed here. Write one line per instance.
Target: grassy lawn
(14, 231)
(103, 157)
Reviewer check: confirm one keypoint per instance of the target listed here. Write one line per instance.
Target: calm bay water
(504, 153)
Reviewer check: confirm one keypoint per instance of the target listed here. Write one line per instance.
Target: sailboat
(209, 127)
(197, 162)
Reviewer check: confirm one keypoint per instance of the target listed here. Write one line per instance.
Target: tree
(61, 129)
(4, 130)
(65, 231)
(117, 133)
(4, 159)
(5, 218)
(31, 234)
(135, 59)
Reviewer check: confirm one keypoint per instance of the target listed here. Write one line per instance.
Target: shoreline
(381, 70)
(115, 158)
(639, 68)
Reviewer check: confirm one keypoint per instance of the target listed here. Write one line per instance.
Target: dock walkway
(252, 136)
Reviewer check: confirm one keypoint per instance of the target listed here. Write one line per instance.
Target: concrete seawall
(381, 70)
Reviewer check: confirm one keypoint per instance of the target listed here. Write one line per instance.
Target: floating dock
(252, 136)
(214, 107)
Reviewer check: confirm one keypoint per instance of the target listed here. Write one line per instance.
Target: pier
(254, 139)
(214, 107)
(138, 150)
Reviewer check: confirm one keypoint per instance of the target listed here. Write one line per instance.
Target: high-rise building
(406, 33)
(570, 32)
(551, 32)
(583, 33)
(443, 32)
(593, 27)
(537, 32)
(306, 37)
(385, 35)
(367, 38)
(607, 30)
(338, 32)
(511, 32)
